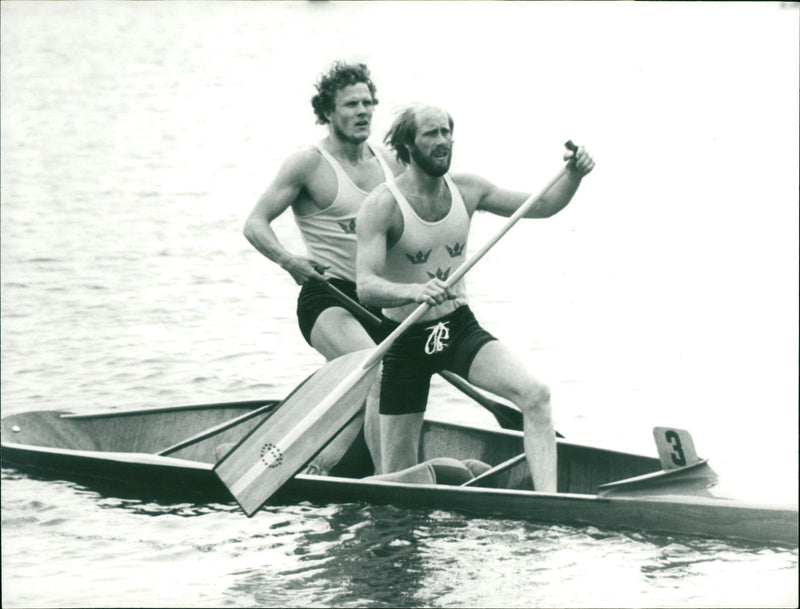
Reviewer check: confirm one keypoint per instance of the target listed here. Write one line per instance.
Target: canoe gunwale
(133, 458)
(160, 409)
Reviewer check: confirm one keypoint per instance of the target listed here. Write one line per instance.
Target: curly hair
(339, 76)
(403, 131)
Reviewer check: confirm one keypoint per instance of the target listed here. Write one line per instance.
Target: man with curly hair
(324, 184)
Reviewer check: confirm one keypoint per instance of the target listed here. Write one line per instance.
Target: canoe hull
(131, 478)
(673, 514)
(633, 493)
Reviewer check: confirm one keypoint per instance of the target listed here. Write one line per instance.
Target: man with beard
(325, 184)
(412, 234)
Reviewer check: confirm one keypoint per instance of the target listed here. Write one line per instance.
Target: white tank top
(330, 233)
(428, 249)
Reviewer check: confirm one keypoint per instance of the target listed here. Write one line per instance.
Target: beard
(433, 166)
(352, 139)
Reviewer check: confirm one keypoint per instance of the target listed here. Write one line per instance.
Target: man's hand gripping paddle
(305, 422)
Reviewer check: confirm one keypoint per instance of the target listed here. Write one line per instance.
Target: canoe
(168, 454)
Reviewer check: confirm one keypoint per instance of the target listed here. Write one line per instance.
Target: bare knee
(336, 332)
(534, 401)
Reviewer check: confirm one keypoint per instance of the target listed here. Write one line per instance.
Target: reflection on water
(359, 554)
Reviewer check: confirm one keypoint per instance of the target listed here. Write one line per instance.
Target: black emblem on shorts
(456, 250)
(420, 258)
(271, 455)
(349, 227)
(440, 274)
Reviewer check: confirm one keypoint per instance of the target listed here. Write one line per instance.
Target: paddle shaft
(409, 321)
(495, 470)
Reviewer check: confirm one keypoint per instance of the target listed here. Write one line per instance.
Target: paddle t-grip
(570, 145)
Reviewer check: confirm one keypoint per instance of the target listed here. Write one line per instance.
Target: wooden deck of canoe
(169, 453)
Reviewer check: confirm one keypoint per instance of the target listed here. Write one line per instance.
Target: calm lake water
(137, 136)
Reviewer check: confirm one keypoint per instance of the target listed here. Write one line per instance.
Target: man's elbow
(546, 208)
(366, 295)
(249, 230)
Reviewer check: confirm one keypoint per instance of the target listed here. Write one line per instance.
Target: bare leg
(372, 425)
(400, 440)
(335, 333)
(498, 370)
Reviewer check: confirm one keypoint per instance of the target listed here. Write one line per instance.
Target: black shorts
(448, 343)
(314, 299)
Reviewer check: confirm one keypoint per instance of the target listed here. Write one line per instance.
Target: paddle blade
(277, 449)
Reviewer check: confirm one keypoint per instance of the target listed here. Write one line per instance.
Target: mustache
(441, 148)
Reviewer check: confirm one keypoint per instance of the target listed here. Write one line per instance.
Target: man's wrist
(574, 172)
(285, 260)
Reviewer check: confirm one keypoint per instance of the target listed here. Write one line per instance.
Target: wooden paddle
(507, 417)
(271, 454)
(491, 473)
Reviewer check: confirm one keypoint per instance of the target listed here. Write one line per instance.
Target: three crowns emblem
(456, 250)
(349, 227)
(420, 257)
(440, 274)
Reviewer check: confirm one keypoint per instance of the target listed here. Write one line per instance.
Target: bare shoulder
(379, 209)
(380, 200)
(301, 163)
(391, 159)
(473, 188)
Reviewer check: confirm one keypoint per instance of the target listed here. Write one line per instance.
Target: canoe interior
(581, 468)
(139, 431)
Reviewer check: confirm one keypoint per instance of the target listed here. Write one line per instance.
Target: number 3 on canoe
(675, 447)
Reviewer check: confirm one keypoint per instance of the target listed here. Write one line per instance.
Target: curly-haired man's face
(351, 119)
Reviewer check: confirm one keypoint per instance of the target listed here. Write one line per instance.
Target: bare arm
(505, 202)
(277, 198)
(378, 216)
